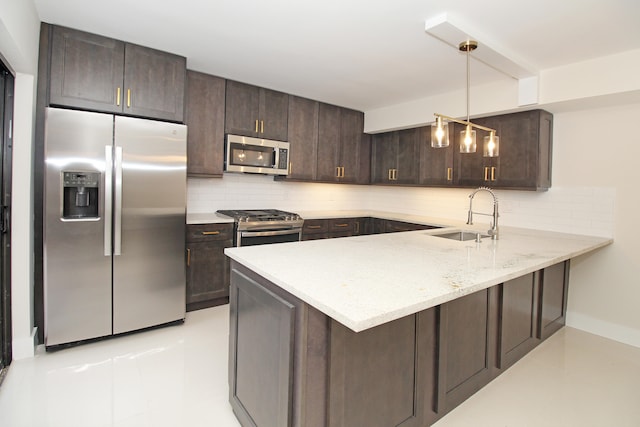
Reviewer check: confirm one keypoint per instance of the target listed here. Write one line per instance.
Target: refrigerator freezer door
(149, 224)
(77, 274)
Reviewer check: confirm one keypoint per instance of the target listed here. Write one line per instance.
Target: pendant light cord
(468, 83)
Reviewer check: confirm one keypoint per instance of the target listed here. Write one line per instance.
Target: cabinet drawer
(207, 232)
(315, 226)
(342, 224)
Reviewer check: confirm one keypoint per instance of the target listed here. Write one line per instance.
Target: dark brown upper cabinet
(100, 74)
(436, 164)
(343, 149)
(524, 162)
(204, 116)
(255, 111)
(303, 137)
(395, 156)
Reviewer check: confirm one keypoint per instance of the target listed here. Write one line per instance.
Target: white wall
(19, 36)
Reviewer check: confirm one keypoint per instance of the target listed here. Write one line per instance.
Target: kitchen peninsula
(388, 329)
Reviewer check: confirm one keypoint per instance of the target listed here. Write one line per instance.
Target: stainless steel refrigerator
(114, 224)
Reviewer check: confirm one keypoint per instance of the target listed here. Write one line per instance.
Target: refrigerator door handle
(108, 200)
(117, 219)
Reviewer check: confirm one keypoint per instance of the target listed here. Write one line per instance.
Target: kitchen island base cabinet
(291, 365)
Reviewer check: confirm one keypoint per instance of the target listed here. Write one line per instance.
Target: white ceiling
(362, 54)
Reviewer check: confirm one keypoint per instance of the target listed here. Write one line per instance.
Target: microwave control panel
(283, 162)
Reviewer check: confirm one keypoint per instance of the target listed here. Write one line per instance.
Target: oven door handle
(270, 233)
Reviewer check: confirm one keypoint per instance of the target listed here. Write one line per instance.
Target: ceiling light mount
(468, 46)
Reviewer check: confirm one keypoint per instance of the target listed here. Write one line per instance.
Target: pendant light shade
(440, 133)
(491, 145)
(468, 140)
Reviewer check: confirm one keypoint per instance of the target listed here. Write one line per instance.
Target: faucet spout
(493, 231)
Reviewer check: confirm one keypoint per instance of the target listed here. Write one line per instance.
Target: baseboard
(24, 348)
(613, 331)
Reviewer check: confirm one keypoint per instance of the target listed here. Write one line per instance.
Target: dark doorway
(6, 143)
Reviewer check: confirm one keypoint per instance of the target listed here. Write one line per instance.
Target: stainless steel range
(264, 226)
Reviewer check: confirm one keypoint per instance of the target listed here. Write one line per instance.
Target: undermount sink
(462, 236)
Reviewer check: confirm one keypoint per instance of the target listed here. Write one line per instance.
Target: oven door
(265, 237)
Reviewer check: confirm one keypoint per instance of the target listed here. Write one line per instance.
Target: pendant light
(467, 141)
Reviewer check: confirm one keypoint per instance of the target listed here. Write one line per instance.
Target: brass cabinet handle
(210, 233)
(188, 257)
(390, 173)
(449, 174)
(256, 125)
(314, 227)
(128, 98)
(290, 167)
(357, 227)
(261, 126)
(342, 172)
(493, 173)
(395, 174)
(341, 225)
(337, 171)
(118, 96)
(486, 174)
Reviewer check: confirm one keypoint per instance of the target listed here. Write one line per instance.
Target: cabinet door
(467, 347)
(241, 112)
(328, 142)
(409, 154)
(469, 167)
(303, 137)
(384, 150)
(86, 71)
(436, 164)
(204, 116)
(207, 272)
(351, 149)
(519, 318)
(524, 137)
(273, 113)
(155, 83)
(554, 286)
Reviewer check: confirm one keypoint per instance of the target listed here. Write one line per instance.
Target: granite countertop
(365, 281)
(207, 218)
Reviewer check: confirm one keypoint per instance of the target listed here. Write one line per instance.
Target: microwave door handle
(274, 157)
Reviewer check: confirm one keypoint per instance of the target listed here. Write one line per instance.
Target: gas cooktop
(248, 217)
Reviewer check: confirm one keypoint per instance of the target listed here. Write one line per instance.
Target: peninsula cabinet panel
(204, 116)
(519, 318)
(467, 347)
(207, 265)
(383, 376)
(100, 74)
(255, 111)
(260, 382)
(554, 287)
(303, 137)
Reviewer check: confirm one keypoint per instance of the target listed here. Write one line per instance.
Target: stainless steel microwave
(256, 155)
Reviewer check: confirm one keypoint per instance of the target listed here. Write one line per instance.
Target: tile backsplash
(581, 210)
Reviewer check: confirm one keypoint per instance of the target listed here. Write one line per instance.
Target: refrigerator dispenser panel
(80, 195)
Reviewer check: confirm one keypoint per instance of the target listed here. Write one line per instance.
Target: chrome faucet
(493, 231)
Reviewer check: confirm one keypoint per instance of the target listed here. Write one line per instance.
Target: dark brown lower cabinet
(554, 288)
(466, 354)
(291, 365)
(207, 265)
(519, 300)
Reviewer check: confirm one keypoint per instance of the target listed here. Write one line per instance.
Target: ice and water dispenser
(80, 194)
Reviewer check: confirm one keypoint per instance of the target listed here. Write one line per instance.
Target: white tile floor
(177, 376)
